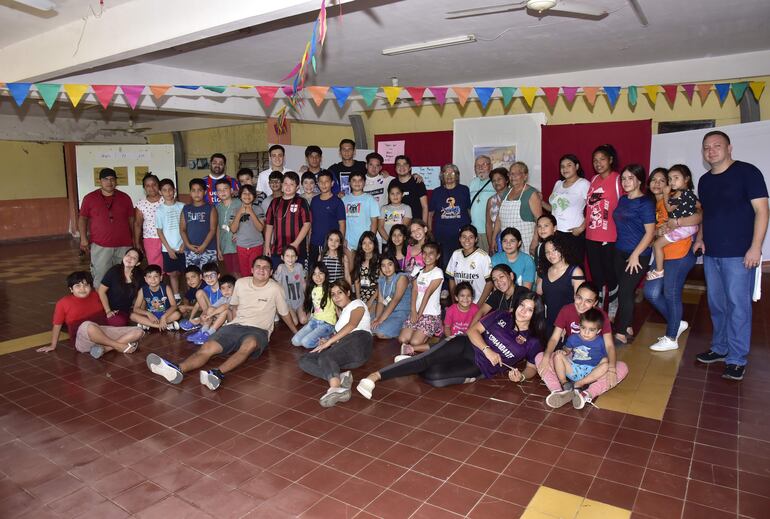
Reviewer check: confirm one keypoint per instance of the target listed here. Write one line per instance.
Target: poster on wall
(390, 150)
(431, 175)
(501, 156)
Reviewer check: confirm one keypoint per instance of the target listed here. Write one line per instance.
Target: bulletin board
(424, 149)
(130, 161)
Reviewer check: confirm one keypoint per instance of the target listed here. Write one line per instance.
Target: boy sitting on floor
(155, 306)
(84, 316)
(194, 281)
(217, 314)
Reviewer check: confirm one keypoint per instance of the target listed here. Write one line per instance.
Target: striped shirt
(287, 218)
(335, 267)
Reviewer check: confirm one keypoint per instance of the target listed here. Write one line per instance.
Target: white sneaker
(365, 387)
(346, 380)
(612, 309)
(664, 344)
(333, 396)
(399, 358)
(580, 399)
(683, 327)
(558, 398)
(172, 326)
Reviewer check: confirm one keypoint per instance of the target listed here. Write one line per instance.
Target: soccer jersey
(211, 196)
(474, 268)
(287, 216)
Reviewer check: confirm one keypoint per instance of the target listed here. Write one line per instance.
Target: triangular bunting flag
(341, 93)
(318, 93)
(652, 93)
(288, 90)
(756, 88)
(633, 95)
(670, 91)
(589, 94)
(267, 93)
(159, 91)
(739, 89)
(217, 89)
(75, 92)
(569, 93)
(440, 94)
(49, 92)
(462, 94)
(19, 91)
(484, 94)
(391, 92)
(528, 93)
(132, 93)
(368, 93)
(722, 91)
(416, 94)
(104, 94)
(551, 96)
(689, 90)
(507, 93)
(704, 89)
(613, 92)
(188, 87)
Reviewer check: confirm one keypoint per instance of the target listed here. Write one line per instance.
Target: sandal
(407, 349)
(131, 347)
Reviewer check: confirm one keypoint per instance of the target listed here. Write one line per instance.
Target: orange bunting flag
(392, 93)
(104, 93)
(528, 93)
(416, 94)
(318, 93)
(159, 91)
(652, 93)
(704, 89)
(589, 94)
(551, 96)
(75, 92)
(756, 88)
(462, 94)
(670, 91)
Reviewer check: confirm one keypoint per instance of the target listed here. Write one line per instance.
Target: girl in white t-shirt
(425, 318)
(567, 203)
(470, 264)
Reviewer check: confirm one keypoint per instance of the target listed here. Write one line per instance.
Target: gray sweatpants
(352, 351)
(102, 258)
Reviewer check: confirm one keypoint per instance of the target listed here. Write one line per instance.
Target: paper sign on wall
(139, 173)
(120, 171)
(390, 150)
(431, 176)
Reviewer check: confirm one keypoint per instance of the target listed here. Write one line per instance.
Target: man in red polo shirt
(105, 223)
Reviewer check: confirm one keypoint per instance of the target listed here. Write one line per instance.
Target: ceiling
(262, 49)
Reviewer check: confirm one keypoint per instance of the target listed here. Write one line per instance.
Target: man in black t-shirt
(348, 165)
(415, 194)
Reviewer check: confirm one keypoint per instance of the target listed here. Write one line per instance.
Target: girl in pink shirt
(459, 316)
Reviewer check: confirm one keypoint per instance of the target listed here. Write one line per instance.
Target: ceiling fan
(129, 128)
(536, 8)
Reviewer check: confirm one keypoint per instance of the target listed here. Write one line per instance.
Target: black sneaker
(707, 357)
(734, 372)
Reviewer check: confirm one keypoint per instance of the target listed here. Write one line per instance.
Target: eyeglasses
(210, 275)
(262, 267)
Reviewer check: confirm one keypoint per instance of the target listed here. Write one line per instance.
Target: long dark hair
(137, 274)
(608, 150)
(340, 250)
(390, 246)
(310, 285)
(537, 323)
(576, 161)
(360, 257)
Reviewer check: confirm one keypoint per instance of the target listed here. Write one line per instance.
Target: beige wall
(434, 118)
(32, 170)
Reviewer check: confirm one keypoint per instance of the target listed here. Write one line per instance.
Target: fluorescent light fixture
(42, 5)
(433, 44)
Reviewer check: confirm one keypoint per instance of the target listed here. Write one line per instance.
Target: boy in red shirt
(84, 316)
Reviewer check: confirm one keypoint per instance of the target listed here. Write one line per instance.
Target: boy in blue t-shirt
(167, 223)
(198, 227)
(155, 306)
(328, 215)
(205, 297)
(361, 210)
(589, 356)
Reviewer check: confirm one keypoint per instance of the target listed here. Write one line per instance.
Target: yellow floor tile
(595, 510)
(555, 503)
(534, 514)
(30, 341)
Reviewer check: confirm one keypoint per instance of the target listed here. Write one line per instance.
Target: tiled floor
(86, 438)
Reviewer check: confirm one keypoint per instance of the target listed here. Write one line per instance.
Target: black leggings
(449, 359)
(601, 262)
(627, 283)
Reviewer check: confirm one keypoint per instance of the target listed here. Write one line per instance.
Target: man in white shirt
(481, 191)
(277, 155)
(376, 182)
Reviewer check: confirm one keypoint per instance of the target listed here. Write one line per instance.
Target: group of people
(368, 256)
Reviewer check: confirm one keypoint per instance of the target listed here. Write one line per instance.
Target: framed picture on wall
(501, 156)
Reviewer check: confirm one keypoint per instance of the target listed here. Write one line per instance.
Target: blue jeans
(729, 286)
(665, 293)
(309, 335)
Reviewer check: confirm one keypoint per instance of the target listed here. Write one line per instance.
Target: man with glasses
(482, 190)
(105, 223)
(255, 302)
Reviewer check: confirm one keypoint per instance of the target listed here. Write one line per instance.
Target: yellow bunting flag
(75, 92)
(318, 93)
(462, 94)
(391, 92)
(704, 89)
(589, 94)
(756, 88)
(159, 91)
(528, 93)
(652, 93)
